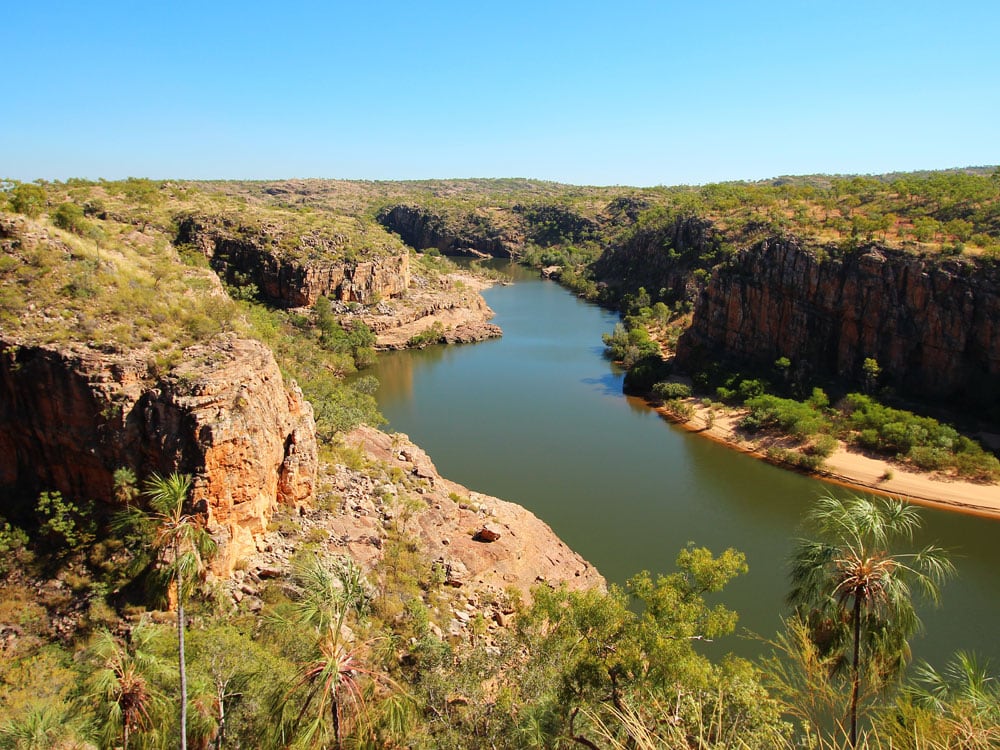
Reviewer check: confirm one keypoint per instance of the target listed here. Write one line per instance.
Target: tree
(121, 684)
(855, 593)
(337, 672)
(69, 216)
(959, 706)
(182, 544)
(27, 199)
(871, 370)
(143, 192)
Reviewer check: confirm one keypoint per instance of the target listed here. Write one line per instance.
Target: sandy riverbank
(857, 471)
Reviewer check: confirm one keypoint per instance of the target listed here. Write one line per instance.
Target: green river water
(538, 418)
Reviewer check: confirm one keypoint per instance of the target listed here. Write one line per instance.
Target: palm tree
(121, 684)
(855, 592)
(963, 699)
(45, 727)
(182, 543)
(337, 673)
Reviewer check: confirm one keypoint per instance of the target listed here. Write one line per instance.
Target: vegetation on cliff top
(343, 658)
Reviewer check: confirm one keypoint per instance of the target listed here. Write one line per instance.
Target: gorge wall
(932, 324)
(71, 415)
(318, 266)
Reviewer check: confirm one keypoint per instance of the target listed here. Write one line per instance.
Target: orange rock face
(71, 416)
(933, 325)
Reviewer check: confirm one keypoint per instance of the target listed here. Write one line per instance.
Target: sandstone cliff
(932, 324)
(71, 415)
(294, 270)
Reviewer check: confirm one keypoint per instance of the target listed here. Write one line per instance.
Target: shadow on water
(607, 385)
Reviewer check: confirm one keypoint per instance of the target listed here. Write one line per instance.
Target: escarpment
(293, 270)
(933, 325)
(71, 415)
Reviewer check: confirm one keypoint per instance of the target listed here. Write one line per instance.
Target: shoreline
(854, 470)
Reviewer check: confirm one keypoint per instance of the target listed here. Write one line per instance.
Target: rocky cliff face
(317, 268)
(70, 416)
(423, 229)
(446, 515)
(933, 325)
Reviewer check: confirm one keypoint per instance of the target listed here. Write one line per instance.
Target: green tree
(145, 193)
(871, 371)
(182, 545)
(339, 672)
(69, 216)
(28, 199)
(855, 592)
(121, 685)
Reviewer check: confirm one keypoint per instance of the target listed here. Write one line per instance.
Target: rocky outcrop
(445, 517)
(296, 276)
(455, 316)
(472, 233)
(932, 324)
(70, 416)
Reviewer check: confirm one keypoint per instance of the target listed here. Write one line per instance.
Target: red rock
(486, 535)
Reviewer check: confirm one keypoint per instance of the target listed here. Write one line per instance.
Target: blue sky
(639, 93)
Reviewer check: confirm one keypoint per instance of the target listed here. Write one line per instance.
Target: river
(538, 418)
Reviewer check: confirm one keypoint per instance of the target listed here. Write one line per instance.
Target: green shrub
(668, 390)
(69, 216)
(430, 335)
(823, 446)
(751, 389)
(928, 458)
(679, 408)
(786, 415)
(27, 199)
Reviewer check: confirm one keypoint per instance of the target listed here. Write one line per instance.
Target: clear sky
(639, 93)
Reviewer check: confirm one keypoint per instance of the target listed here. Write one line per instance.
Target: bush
(69, 216)
(751, 389)
(981, 467)
(431, 335)
(27, 199)
(680, 409)
(823, 446)
(667, 390)
(928, 458)
(794, 459)
(791, 417)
